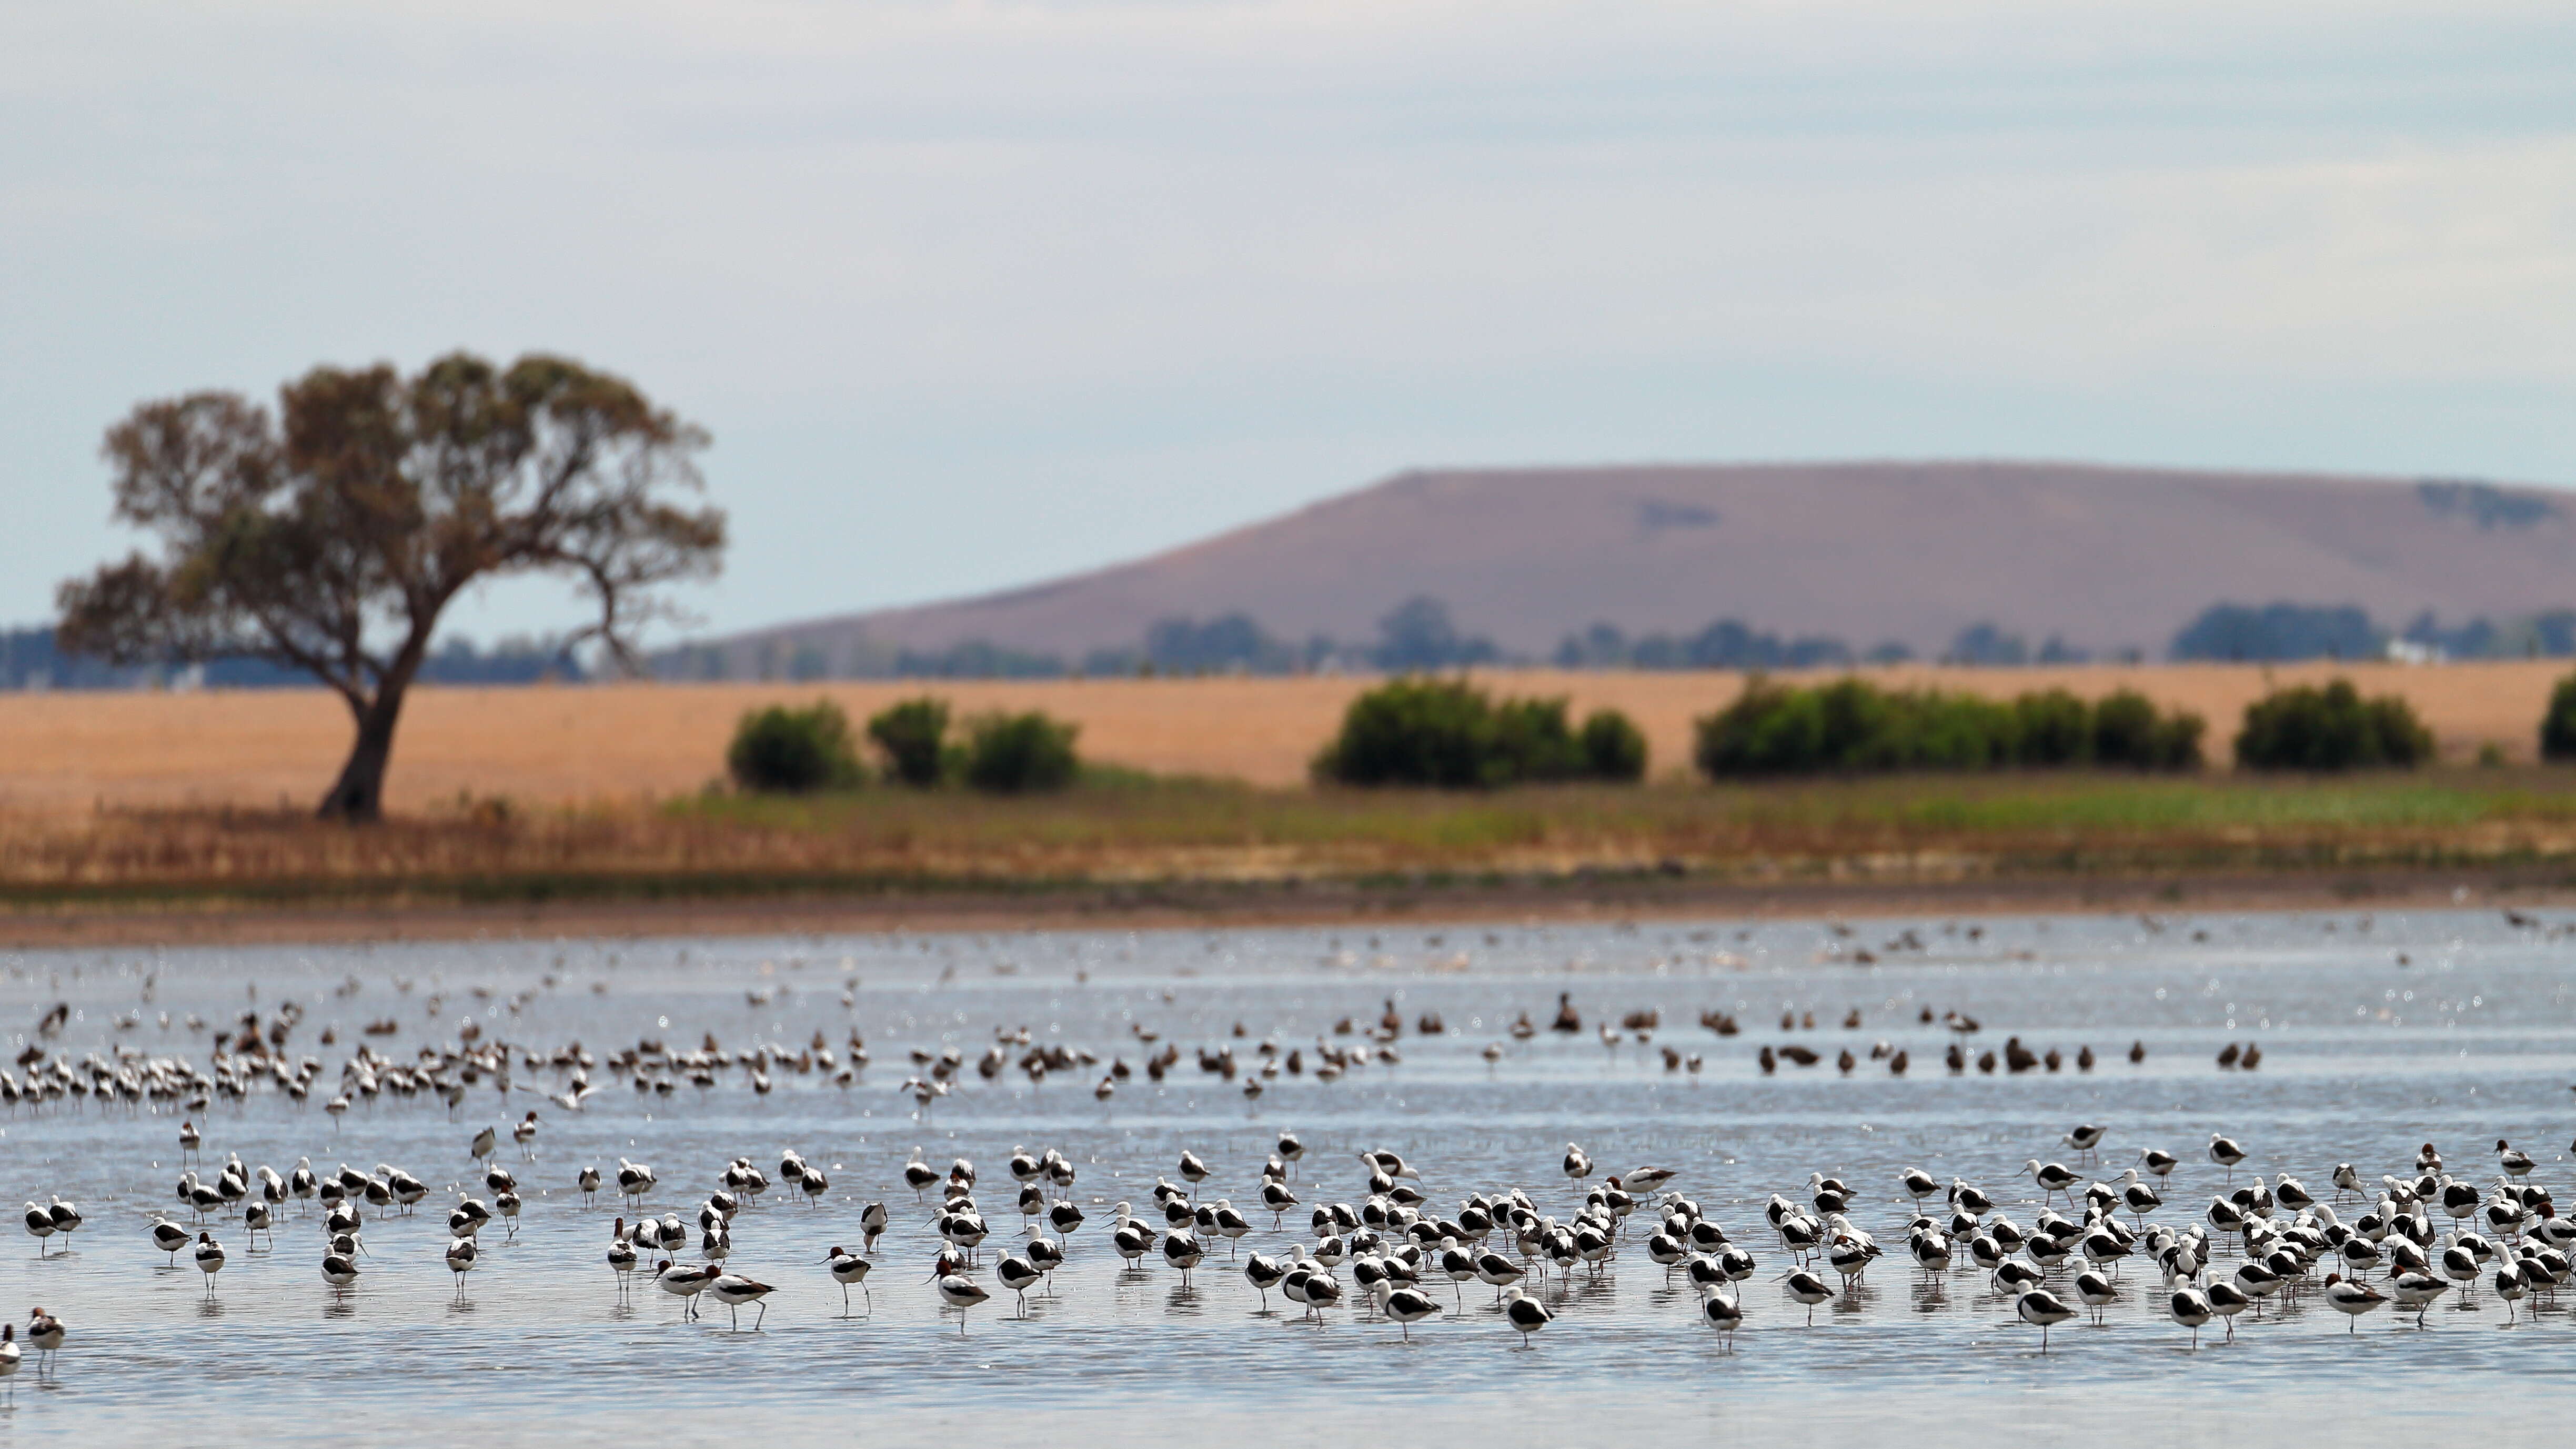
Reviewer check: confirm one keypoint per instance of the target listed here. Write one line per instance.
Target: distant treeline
(30, 660)
(1419, 634)
(2285, 632)
(1416, 634)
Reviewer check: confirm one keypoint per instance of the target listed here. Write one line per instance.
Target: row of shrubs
(1449, 734)
(1852, 726)
(798, 751)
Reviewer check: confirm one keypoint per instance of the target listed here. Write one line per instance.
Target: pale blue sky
(971, 294)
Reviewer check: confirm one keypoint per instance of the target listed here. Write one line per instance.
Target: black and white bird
(67, 1219)
(210, 1260)
(1019, 1275)
(1181, 1249)
(1406, 1306)
(683, 1282)
(2224, 1151)
(461, 1256)
(961, 1293)
(734, 1290)
(2352, 1299)
(2053, 1177)
(1525, 1314)
(2513, 1160)
(2042, 1310)
(1264, 1273)
(1808, 1289)
(1577, 1164)
(850, 1269)
(2085, 1137)
(1722, 1310)
(40, 1226)
(2416, 1292)
(45, 1336)
(2096, 1292)
(2137, 1197)
(2190, 1308)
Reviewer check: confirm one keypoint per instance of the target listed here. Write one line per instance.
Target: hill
(2104, 559)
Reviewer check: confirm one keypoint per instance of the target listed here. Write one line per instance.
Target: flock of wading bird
(2415, 1236)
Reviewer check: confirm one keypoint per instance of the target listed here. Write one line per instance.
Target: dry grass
(1124, 830)
(275, 749)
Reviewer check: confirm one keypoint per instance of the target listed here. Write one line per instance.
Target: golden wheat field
(67, 752)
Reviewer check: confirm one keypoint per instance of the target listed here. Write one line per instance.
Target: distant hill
(2103, 559)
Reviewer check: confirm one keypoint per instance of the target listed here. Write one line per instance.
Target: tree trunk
(359, 797)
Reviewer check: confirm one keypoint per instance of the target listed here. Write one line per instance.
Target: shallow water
(2473, 1038)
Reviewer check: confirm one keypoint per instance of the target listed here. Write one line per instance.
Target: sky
(975, 294)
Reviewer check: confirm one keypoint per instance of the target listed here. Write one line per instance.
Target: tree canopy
(329, 536)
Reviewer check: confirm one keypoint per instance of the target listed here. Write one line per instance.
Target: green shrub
(1853, 726)
(2127, 731)
(793, 751)
(1534, 741)
(1416, 731)
(2053, 728)
(2558, 727)
(1769, 730)
(913, 737)
(1613, 747)
(1019, 753)
(2333, 728)
(1448, 734)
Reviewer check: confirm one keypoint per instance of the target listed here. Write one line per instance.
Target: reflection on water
(2377, 1035)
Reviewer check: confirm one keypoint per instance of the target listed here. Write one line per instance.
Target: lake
(2378, 1034)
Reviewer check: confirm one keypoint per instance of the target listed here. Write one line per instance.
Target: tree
(1418, 731)
(1419, 635)
(1011, 754)
(330, 537)
(2558, 727)
(2334, 728)
(1613, 747)
(793, 751)
(913, 734)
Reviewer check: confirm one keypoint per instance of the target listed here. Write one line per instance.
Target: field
(623, 743)
(124, 802)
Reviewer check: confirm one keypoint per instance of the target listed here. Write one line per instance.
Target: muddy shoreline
(1207, 904)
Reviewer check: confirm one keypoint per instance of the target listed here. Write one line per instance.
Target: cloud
(975, 292)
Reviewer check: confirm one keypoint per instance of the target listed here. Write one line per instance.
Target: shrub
(1533, 741)
(2127, 731)
(1018, 753)
(1613, 747)
(2053, 728)
(913, 736)
(1415, 731)
(1851, 725)
(2558, 727)
(1449, 734)
(793, 751)
(2333, 728)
